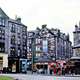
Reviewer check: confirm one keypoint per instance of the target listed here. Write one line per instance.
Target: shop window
(1, 61)
(12, 39)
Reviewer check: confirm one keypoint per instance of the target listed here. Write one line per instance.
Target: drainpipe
(32, 58)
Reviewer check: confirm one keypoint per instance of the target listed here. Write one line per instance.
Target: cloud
(62, 14)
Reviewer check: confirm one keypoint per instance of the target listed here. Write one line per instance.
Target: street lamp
(32, 58)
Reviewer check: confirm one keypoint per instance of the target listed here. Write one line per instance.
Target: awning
(44, 60)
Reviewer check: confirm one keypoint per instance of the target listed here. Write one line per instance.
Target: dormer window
(2, 22)
(30, 34)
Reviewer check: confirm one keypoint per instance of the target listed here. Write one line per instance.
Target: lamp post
(32, 58)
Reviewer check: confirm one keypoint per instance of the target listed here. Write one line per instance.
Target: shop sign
(37, 63)
(15, 58)
(42, 63)
(46, 63)
(72, 62)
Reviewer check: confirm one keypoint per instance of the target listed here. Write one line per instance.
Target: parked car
(40, 71)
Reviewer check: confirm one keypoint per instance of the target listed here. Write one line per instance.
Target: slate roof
(75, 57)
(14, 21)
(76, 46)
(44, 60)
(76, 31)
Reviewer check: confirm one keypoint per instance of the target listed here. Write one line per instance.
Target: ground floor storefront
(74, 65)
(3, 61)
(48, 63)
(17, 65)
(45, 65)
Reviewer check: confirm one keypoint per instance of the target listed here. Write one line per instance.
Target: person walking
(6, 70)
(48, 71)
(9, 69)
(54, 71)
(1, 70)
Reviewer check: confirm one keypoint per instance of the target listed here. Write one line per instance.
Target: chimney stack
(76, 27)
(44, 26)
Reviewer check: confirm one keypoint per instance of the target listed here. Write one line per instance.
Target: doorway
(42, 66)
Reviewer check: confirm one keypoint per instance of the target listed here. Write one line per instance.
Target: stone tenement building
(49, 45)
(76, 47)
(76, 50)
(13, 45)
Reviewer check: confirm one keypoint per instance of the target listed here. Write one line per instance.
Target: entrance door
(20, 66)
(42, 66)
(77, 67)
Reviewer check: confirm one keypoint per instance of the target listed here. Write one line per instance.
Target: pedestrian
(48, 71)
(1, 70)
(59, 71)
(63, 71)
(54, 71)
(45, 71)
(6, 69)
(9, 69)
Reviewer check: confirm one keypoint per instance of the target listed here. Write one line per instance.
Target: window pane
(19, 29)
(3, 22)
(0, 21)
(45, 46)
(79, 36)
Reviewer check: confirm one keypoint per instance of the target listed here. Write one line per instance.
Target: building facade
(13, 37)
(76, 49)
(48, 44)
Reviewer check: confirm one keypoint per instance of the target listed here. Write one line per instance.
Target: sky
(61, 14)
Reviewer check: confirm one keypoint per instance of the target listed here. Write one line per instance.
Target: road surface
(40, 77)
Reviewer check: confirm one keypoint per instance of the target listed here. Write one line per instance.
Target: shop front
(44, 63)
(61, 63)
(3, 60)
(17, 65)
(76, 63)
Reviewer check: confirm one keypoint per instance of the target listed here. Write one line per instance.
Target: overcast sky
(62, 14)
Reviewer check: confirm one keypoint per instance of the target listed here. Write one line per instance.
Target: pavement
(35, 76)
